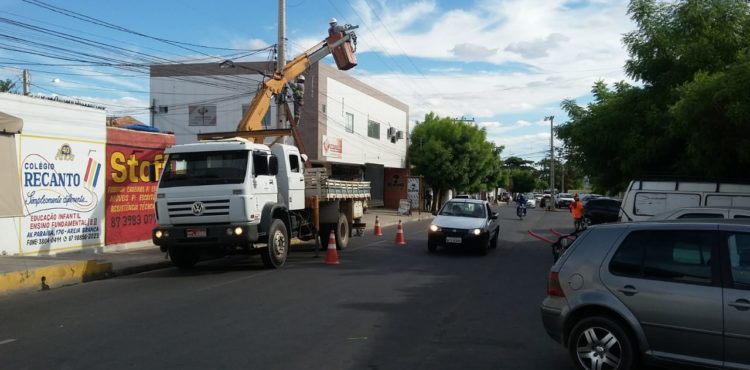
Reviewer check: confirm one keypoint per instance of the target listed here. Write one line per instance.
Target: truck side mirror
(273, 165)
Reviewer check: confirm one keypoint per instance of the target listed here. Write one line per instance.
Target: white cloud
(467, 51)
(538, 48)
(573, 48)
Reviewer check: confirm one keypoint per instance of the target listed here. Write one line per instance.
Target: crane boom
(252, 120)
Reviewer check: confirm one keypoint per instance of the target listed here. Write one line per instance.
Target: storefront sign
(413, 191)
(333, 148)
(130, 191)
(62, 187)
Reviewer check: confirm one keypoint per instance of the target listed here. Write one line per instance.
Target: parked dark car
(464, 223)
(666, 292)
(601, 210)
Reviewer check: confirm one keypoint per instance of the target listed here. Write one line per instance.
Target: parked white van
(646, 198)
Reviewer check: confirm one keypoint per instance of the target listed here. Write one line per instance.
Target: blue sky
(505, 63)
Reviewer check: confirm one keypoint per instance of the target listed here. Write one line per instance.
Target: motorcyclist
(521, 201)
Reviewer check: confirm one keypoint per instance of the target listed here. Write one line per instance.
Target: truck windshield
(205, 168)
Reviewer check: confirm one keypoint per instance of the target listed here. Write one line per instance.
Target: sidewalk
(19, 274)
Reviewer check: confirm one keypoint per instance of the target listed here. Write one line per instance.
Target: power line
(85, 18)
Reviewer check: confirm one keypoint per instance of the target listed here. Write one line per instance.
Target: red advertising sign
(130, 194)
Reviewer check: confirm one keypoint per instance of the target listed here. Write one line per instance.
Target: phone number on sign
(132, 220)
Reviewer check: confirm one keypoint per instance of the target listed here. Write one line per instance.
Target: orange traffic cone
(400, 235)
(378, 231)
(332, 257)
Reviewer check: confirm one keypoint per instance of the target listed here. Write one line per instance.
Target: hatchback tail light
(553, 285)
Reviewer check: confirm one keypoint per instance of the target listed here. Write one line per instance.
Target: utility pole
(551, 155)
(26, 82)
(280, 63)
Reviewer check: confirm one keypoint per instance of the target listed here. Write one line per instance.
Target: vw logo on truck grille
(197, 208)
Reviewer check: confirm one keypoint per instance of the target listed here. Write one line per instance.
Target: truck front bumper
(213, 236)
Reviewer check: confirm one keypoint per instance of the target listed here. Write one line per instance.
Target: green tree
(522, 181)
(689, 57)
(452, 154)
(713, 114)
(7, 85)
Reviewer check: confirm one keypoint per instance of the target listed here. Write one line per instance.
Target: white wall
(177, 93)
(357, 147)
(72, 212)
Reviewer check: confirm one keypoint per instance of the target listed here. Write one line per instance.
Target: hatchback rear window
(676, 255)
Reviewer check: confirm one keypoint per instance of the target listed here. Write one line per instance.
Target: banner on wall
(413, 192)
(131, 193)
(333, 148)
(62, 188)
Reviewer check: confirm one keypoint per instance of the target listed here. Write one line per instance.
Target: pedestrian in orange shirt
(576, 208)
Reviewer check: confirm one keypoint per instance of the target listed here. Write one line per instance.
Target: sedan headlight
(476, 232)
(434, 228)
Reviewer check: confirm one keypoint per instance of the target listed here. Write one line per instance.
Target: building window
(323, 108)
(202, 115)
(266, 123)
(373, 129)
(349, 122)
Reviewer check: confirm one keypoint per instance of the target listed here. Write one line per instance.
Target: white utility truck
(230, 193)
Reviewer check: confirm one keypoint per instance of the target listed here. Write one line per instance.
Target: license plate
(196, 233)
(453, 239)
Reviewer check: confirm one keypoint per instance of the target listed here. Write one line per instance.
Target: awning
(11, 204)
(10, 124)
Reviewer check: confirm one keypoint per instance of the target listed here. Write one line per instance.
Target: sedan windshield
(460, 209)
(205, 168)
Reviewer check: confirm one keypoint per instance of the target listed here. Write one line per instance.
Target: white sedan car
(530, 200)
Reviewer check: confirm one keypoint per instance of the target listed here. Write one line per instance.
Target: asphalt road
(383, 307)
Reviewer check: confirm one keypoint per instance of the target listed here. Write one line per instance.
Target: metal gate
(375, 173)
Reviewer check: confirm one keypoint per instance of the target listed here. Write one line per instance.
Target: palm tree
(7, 85)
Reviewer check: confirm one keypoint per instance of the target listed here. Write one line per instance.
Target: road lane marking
(237, 280)
(357, 338)
(7, 341)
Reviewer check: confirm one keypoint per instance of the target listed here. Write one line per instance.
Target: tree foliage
(452, 154)
(7, 85)
(691, 110)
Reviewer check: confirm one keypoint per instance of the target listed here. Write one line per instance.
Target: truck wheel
(274, 255)
(342, 232)
(183, 258)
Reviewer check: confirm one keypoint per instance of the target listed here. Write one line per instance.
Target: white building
(347, 126)
(54, 165)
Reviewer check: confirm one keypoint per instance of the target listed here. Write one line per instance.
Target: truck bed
(318, 184)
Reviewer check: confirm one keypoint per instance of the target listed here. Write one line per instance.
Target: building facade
(347, 126)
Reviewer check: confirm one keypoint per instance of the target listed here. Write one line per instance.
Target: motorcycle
(560, 245)
(521, 210)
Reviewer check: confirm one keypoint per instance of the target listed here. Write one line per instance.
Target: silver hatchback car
(662, 292)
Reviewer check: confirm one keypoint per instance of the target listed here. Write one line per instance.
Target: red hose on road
(540, 237)
(557, 233)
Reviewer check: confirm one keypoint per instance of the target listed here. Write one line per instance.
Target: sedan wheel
(598, 343)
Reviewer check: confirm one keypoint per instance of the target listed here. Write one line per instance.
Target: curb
(54, 276)
(81, 271)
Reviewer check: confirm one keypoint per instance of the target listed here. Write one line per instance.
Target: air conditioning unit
(399, 135)
(391, 132)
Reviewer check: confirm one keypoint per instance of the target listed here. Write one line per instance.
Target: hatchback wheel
(600, 343)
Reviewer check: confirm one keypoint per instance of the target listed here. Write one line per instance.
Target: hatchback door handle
(741, 304)
(628, 290)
